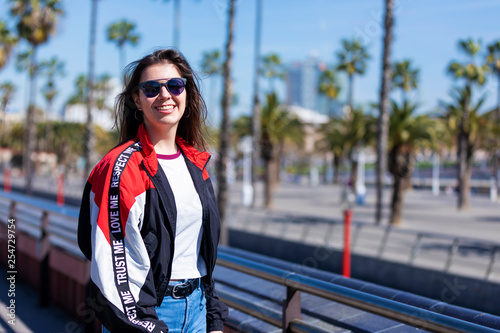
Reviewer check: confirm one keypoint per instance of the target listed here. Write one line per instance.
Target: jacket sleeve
(217, 311)
(121, 283)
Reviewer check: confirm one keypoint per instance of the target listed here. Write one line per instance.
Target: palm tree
(211, 65)
(352, 60)
(383, 119)
(273, 68)
(405, 78)
(407, 133)
(7, 43)
(332, 141)
(356, 134)
(256, 108)
(7, 90)
(89, 133)
(51, 69)
(477, 129)
(81, 86)
(122, 32)
(493, 60)
(329, 86)
(473, 75)
(36, 22)
(224, 128)
(277, 126)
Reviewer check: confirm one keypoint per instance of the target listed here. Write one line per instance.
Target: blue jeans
(183, 315)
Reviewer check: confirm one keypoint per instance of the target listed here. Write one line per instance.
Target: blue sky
(426, 32)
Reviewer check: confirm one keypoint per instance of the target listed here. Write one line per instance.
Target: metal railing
(296, 283)
(46, 221)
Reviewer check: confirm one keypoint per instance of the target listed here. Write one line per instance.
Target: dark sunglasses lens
(175, 86)
(151, 88)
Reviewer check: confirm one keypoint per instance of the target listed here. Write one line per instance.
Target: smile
(165, 107)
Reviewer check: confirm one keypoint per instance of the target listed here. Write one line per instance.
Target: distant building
(302, 84)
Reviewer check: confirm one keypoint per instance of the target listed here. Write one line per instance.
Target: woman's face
(164, 111)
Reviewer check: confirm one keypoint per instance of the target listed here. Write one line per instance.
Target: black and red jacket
(127, 227)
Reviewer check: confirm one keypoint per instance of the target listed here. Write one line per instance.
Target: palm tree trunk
(463, 181)
(268, 185)
(122, 59)
(177, 22)
(397, 201)
(351, 92)
(224, 131)
(256, 116)
(89, 133)
(336, 164)
(354, 175)
(383, 120)
(497, 143)
(30, 128)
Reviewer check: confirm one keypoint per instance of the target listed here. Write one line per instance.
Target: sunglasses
(174, 86)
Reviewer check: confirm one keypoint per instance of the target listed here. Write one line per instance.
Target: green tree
(102, 89)
(278, 126)
(408, 132)
(36, 22)
(79, 96)
(122, 32)
(51, 69)
(493, 60)
(7, 43)
(352, 60)
(404, 77)
(221, 165)
(7, 90)
(473, 74)
(68, 143)
(272, 69)
(477, 128)
(384, 104)
(329, 86)
(332, 141)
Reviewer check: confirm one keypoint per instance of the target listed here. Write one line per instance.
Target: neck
(163, 140)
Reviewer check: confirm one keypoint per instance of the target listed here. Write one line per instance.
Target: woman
(149, 222)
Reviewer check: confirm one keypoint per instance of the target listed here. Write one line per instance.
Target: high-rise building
(302, 83)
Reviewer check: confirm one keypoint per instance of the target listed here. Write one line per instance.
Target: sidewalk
(434, 234)
(422, 211)
(29, 317)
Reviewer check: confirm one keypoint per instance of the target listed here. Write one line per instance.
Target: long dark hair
(192, 123)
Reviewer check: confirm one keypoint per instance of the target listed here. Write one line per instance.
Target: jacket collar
(200, 159)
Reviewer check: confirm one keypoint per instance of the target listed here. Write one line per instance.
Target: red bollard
(6, 180)
(60, 190)
(346, 262)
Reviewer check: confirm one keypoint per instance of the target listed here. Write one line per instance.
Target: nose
(164, 94)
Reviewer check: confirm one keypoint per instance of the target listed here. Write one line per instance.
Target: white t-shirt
(187, 262)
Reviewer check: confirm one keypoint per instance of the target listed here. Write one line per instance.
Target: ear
(137, 101)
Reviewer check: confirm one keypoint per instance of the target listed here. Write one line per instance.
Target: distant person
(149, 222)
